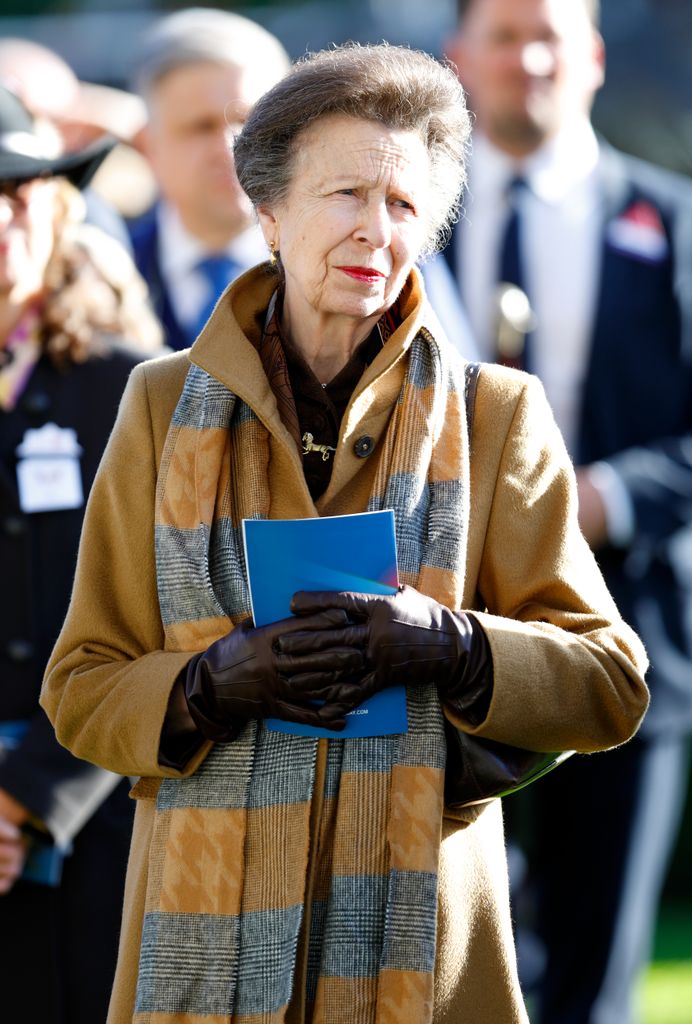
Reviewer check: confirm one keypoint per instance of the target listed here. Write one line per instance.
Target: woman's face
(355, 218)
(27, 235)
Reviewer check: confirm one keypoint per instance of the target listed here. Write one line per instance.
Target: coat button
(363, 446)
(20, 650)
(13, 526)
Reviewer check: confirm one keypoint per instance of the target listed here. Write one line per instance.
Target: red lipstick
(367, 274)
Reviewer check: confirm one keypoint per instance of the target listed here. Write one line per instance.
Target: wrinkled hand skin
(246, 675)
(405, 637)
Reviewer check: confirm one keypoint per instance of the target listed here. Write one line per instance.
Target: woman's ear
(270, 227)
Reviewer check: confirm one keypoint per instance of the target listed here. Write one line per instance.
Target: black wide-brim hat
(24, 151)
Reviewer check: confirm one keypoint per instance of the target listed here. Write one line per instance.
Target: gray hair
(403, 89)
(207, 35)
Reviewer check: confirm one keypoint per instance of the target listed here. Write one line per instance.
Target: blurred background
(645, 108)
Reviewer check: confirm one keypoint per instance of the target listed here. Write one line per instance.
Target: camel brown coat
(567, 671)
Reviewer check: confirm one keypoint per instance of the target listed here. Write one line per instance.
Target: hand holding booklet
(339, 553)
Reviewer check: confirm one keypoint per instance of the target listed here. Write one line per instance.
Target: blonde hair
(94, 297)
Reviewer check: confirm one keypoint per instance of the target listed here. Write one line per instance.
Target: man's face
(194, 112)
(529, 66)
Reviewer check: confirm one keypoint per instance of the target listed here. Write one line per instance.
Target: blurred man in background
(82, 113)
(575, 262)
(199, 71)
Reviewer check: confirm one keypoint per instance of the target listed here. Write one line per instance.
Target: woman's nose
(376, 226)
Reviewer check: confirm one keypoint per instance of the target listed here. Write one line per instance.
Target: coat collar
(227, 346)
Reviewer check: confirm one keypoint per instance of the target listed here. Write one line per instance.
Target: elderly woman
(74, 321)
(283, 878)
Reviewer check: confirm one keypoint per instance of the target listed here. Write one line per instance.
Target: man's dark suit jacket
(144, 236)
(636, 413)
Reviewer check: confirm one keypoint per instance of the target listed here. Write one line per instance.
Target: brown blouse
(308, 406)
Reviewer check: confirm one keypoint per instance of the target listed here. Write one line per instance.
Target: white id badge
(49, 484)
(48, 474)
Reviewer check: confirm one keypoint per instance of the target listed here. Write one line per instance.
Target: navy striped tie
(512, 340)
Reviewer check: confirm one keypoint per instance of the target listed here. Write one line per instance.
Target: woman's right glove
(244, 675)
(409, 638)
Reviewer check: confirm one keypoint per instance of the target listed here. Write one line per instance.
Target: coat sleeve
(108, 680)
(568, 672)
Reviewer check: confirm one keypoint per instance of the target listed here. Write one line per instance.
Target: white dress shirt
(179, 254)
(443, 296)
(561, 214)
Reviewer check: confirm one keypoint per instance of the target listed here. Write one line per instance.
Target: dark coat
(59, 944)
(636, 413)
(144, 237)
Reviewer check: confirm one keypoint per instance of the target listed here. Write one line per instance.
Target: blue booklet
(356, 552)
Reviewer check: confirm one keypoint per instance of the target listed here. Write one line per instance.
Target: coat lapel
(145, 240)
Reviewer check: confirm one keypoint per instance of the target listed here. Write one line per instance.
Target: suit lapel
(616, 193)
(145, 240)
(634, 251)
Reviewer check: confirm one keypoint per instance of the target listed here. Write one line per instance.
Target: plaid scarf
(231, 847)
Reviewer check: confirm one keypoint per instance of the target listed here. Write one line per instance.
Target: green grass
(667, 993)
(674, 933)
(667, 984)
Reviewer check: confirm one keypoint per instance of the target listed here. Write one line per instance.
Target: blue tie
(511, 340)
(510, 260)
(218, 270)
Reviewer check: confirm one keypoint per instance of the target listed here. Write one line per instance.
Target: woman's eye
(402, 203)
(346, 191)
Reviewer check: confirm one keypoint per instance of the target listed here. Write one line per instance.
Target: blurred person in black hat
(199, 71)
(84, 113)
(73, 321)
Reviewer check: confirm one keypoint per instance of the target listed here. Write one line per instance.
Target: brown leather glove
(411, 639)
(245, 675)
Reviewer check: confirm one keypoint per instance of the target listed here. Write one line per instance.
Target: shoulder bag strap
(471, 374)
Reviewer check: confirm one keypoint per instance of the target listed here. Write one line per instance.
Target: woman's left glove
(411, 639)
(245, 675)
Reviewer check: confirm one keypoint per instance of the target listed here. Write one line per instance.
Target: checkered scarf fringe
(231, 844)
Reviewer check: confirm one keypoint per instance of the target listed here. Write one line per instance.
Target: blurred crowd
(121, 223)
